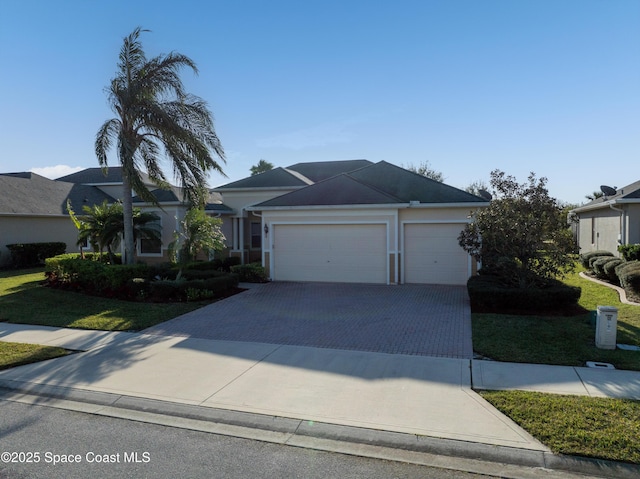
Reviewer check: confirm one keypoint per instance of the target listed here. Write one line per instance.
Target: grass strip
(576, 425)
(24, 300)
(17, 354)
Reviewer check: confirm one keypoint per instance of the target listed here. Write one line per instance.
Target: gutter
(385, 206)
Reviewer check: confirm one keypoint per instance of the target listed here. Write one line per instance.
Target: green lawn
(17, 354)
(559, 340)
(24, 300)
(582, 426)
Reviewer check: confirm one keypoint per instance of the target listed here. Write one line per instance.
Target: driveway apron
(427, 320)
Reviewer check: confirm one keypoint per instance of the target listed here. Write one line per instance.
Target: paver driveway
(429, 320)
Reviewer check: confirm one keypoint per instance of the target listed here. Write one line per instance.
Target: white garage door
(333, 253)
(432, 254)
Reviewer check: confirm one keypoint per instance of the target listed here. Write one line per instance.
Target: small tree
(261, 167)
(198, 233)
(522, 236)
(425, 169)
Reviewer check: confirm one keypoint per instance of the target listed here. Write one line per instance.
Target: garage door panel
(335, 253)
(432, 254)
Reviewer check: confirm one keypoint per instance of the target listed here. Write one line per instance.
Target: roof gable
(275, 178)
(322, 170)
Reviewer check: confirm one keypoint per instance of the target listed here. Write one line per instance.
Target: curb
(403, 447)
(621, 292)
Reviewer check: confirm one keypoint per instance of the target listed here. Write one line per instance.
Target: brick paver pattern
(428, 320)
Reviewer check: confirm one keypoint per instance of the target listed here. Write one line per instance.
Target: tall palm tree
(154, 113)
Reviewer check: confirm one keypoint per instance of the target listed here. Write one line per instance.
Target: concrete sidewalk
(411, 402)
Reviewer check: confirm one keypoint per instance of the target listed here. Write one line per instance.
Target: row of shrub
(160, 283)
(26, 255)
(489, 294)
(623, 271)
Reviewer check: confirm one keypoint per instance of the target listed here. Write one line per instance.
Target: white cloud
(57, 171)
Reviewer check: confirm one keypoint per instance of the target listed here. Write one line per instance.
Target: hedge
(610, 269)
(24, 255)
(250, 273)
(630, 252)
(629, 275)
(599, 262)
(489, 294)
(585, 257)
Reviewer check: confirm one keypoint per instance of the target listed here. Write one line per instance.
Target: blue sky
(550, 86)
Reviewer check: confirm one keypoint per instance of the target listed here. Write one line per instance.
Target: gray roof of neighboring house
(31, 194)
(162, 196)
(379, 183)
(96, 176)
(629, 193)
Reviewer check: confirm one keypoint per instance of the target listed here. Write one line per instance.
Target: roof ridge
(300, 176)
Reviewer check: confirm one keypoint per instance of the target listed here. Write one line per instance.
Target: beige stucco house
(33, 209)
(610, 220)
(350, 221)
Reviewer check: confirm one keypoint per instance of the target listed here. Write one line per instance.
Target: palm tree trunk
(127, 206)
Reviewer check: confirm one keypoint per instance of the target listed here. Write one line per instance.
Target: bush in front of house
(250, 273)
(630, 252)
(489, 294)
(629, 276)
(586, 257)
(24, 255)
(610, 269)
(599, 262)
(138, 281)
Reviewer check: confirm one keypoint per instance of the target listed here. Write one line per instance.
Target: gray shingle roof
(322, 170)
(379, 183)
(93, 176)
(278, 177)
(629, 192)
(32, 194)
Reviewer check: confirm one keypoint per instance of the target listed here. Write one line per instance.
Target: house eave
(221, 189)
(605, 204)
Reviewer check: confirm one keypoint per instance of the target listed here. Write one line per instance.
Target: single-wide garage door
(432, 254)
(330, 252)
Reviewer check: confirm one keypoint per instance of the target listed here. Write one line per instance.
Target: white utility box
(606, 327)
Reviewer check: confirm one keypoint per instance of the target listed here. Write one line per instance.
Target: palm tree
(102, 225)
(261, 167)
(154, 113)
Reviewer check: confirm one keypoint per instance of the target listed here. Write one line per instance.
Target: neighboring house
(350, 221)
(33, 209)
(609, 221)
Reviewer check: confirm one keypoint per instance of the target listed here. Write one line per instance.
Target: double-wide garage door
(357, 253)
(347, 253)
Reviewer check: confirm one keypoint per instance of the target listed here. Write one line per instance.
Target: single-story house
(609, 221)
(33, 209)
(350, 221)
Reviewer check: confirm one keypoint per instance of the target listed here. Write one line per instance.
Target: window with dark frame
(256, 235)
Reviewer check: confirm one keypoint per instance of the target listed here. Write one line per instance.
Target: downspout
(621, 239)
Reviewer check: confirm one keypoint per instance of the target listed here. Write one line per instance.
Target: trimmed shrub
(33, 254)
(491, 295)
(599, 262)
(192, 290)
(204, 265)
(230, 261)
(630, 252)
(585, 257)
(201, 274)
(250, 273)
(610, 269)
(629, 275)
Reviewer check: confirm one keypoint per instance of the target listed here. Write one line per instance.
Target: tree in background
(154, 113)
(522, 236)
(198, 233)
(425, 169)
(595, 195)
(261, 167)
(476, 187)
